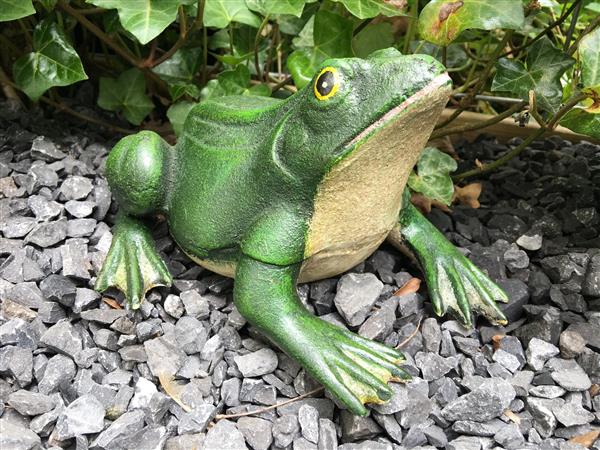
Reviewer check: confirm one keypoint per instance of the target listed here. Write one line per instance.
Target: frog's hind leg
(136, 170)
(132, 264)
(454, 282)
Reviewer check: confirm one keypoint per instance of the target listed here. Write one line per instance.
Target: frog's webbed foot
(354, 369)
(132, 264)
(454, 282)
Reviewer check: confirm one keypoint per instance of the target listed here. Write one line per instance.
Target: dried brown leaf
(424, 204)
(512, 416)
(586, 439)
(468, 195)
(173, 389)
(409, 287)
(112, 303)
(496, 341)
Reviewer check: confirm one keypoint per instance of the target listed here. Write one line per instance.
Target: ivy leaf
(126, 94)
(365, 9)
(53, 63)
(48, 4)
(455, 55)
(15, 9)
(233, 82)
(264, 7)
(543, 68)
(177, 114)
(220, 13)
(441, 21)
(179, 70)
(432, 178)
(145, 19)
(582, 122)
(589, 55)
(332, 38)
(373, 37)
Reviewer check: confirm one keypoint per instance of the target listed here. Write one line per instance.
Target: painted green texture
(239, 189)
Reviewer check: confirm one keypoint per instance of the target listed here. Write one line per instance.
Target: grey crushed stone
(65, 347)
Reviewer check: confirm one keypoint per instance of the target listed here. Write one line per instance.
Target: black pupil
(325, 83)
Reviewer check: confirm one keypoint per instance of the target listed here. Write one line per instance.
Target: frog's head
(351, 101)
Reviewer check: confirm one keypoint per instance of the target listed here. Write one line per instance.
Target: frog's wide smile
(442, 81)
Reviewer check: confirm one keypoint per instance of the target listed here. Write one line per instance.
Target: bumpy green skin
(240, 187)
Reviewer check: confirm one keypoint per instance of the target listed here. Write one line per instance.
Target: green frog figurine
(279, 192)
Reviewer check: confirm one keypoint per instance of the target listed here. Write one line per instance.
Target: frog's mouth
(426, 98)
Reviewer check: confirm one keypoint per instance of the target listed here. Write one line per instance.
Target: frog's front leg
(136, 171)
(454, 282)
(355, 370)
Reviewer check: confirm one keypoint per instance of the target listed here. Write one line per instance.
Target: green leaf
(48, 4)
(365, 9)
(179, 70)
(455, 55)
(126, 94)
(264, 7)
(178, 90)
(589, 55)
(53, 63)
(305, 37)
(145, 19)
(233, 82)
(441, 21)
(373, 37)
(594, 6)
(332, 37)
(182, 66)
(177, 114)
(433, 179)
(220, 13)
(15, 9)
(543, 68)
(582, 122)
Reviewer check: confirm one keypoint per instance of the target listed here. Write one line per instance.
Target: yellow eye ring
(326, 83)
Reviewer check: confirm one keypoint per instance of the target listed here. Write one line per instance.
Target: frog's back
(214, 159)
(227, 123)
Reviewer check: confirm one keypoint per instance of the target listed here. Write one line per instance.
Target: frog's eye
(327, 83)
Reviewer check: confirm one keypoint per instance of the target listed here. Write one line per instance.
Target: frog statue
(279, 192)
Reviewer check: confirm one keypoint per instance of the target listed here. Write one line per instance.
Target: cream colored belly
(325, 264)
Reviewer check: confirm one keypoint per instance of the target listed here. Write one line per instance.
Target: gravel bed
(77, 372)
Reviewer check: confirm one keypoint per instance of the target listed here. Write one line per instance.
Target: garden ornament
(276, 192)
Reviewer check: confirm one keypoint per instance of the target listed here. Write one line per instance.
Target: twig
(90, 11)
(68, 110)
(257, 40)
(587, 30)
(62, 107)
(476, 126)
(412, 26)
(572, 25)
(269, 408)
(8, 88)
(542, 33)
(482, 79)
(281, 84)
(412, 335)
(491, 98)
(125, 54)
(361, 26)
(183, 34)
(528, 140)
